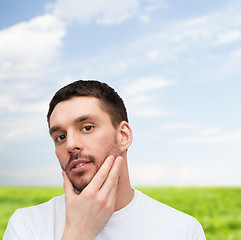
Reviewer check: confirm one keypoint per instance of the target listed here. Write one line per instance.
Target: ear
(124, 136)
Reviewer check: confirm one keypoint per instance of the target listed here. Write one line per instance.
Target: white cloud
(236, 53)
(148, 111)
(141, 99)
(22, 97)
(28, 47)
(18, 128)
(141, 175)
(139, 103)
(211, 136)
(145, 13)
(13, 105)
(102, 11)
(177, 42)
(147, 84)
(45, 175)
(23, 109)
(26, 50)
(228, 37)
(185, 175)
(209, 131)
(172, 126)
(105, 12)
(183, 44)
(145, 18)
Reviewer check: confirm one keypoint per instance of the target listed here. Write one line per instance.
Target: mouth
(78, 165)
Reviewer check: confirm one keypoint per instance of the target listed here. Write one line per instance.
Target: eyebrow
(80, 119)
(54, 129)
(85, 117)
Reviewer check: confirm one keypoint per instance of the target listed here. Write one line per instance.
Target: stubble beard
(82, 179)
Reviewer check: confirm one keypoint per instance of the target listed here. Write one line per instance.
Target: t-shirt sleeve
(199, 233)
(18, 227)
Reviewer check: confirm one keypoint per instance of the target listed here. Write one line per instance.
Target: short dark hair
(110, 100)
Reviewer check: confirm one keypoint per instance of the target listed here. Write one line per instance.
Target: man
(89, 126)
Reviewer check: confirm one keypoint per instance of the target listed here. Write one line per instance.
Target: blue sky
(175, 63)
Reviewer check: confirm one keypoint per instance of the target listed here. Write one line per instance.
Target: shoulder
(26, 221)
(52, 203)
(166, 215)
(159, 206)
(55, 202)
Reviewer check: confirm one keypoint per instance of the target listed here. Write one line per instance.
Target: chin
(82, 182)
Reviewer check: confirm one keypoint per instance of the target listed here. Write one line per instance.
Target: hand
(88, 212)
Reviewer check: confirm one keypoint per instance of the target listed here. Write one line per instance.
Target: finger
(111, 200)
(68, 187)
(101, 175)
(113, 191)
(113, 176)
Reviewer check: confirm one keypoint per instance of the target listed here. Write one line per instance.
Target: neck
(125, 192)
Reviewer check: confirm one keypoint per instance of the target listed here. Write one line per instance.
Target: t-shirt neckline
(125, 211)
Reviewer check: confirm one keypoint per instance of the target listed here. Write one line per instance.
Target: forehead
(67, 111)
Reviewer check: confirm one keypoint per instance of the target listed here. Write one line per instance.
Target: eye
(60, 138)
(87, 128)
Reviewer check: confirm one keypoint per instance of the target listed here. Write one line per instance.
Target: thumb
(68, 187)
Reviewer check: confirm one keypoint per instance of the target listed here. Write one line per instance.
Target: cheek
(61, 156)
(104, 146)
(102, 143)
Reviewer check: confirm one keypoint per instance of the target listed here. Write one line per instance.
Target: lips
(79, 165)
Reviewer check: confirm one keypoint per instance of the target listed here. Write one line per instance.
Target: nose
(73, 142)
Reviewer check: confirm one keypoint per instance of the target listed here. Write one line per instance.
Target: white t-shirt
(143, 218)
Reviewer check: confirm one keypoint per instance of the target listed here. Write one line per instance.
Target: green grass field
(217, 209)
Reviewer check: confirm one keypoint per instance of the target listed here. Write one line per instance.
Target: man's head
(110, 100)
(88, 122)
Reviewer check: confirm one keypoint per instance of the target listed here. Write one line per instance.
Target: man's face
(84, 137)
